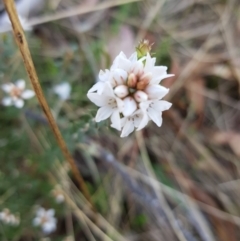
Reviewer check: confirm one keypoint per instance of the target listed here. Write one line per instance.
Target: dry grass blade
(27, 59)
(197, 58)
(153, 11)
(78, 10)
(154, 202)
(60, 175)
(181, 196)
(168, 212)
(83, 218)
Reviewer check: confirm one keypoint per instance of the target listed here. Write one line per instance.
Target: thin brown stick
(27, 59)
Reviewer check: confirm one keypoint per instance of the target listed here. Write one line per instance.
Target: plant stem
(28, 62)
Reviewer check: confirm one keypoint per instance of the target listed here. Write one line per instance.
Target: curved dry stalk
(28, 62)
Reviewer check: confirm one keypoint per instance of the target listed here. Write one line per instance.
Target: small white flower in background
(130, 92)
(8, 218)
(57, 193)
(17, 93)
(63, 90)
(46, 220)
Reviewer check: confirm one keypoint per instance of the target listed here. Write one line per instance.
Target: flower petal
(19, 103)
(20, 84)
(7, 87)
(108, 90)
(127, 128)
(117, 60)
(27, 94)
(133, 57)
(119, 77)
(99, 87)
(116, 121)
(137, 117)
(104, 76)
(7, 101)
(50, 212)
(143, 121)
(40, 212)
(48, 227)
(130, 106)
(161, 105)
(124, 64)
(2, 215)
(156, 91)
(120, 104)
(149, 64)
(155, 116)
(137, 67)
(98, 100)
(144, 105)
(36, 221)
(103, 113)
(158, 78)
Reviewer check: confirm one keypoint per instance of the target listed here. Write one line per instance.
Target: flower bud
(143, 48)
(146, 77)
(132, 80)
(140, 96)
(144, 81)
(130, 106)
(121, 91)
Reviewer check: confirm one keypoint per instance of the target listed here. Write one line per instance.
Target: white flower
(8, 218)
(17, 94)
(130, 93)
(63, 90)
(46, 220)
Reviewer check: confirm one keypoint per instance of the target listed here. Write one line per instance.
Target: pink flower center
(16, 92)
(44, 219)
